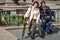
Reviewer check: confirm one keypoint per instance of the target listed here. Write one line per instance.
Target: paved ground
(5, 35)
(54, 36)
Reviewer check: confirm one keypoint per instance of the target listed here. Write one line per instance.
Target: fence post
(17, 11)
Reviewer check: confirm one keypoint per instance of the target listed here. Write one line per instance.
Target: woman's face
(35, 5)
(43, 5)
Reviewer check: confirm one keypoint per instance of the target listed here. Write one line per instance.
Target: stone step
(5, 35)
(14, 27)
(21, 27)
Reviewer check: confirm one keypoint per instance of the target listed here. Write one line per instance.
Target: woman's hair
(43, 2)
(35, 2)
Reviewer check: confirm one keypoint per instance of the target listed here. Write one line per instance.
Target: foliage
(2, 23)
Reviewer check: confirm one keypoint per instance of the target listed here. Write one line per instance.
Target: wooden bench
(56, 24)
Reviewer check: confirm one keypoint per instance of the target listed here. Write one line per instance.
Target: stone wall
(2, 1)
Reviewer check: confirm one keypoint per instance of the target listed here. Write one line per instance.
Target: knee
(43, 21)
(50, 22)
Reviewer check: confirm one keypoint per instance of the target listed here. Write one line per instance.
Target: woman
(45, 16)
(34, 16)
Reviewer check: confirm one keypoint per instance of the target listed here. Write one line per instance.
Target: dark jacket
(47, 11)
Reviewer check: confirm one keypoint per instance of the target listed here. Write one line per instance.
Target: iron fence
(15, 17)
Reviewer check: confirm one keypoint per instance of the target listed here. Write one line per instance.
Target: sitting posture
(45, 16)
(33, 14)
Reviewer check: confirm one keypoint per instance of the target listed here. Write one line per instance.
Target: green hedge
(2, 23)
(12, 20)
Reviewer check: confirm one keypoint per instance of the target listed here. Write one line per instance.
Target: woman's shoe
(42, 36)
(46, 33)
(32, 37)
(29, 33)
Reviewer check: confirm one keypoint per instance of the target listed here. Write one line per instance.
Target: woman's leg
(33, 29)
(48, 26)
(29, 29)
(43, 24)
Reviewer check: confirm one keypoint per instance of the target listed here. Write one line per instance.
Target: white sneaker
(45, 33)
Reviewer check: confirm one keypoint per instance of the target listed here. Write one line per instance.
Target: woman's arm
(32, 13)
(28, 11)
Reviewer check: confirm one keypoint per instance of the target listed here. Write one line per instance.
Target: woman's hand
(37, 22)
(47, 17)
(26, 17)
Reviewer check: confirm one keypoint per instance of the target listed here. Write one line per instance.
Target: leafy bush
(2, 23)
(21, 19)
(12, 20)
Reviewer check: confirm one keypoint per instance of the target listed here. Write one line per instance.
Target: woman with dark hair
(45, 16)
(34, 17)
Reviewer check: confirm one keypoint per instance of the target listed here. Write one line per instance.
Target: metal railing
(15, 17)
(57, 14)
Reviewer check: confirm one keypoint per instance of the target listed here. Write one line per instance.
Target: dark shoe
(29, 33)
(32, 37)
(42, 36)
(50, 31)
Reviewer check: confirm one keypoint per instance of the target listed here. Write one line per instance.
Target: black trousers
(30, 25)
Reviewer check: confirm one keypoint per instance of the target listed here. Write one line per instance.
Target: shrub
(2, 23)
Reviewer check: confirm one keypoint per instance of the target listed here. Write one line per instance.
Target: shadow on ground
(54, 31)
